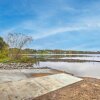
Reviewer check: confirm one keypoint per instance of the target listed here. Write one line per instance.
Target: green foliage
(8, 54)
(23, 59)
(4, 60)
(27, 60)
(3, 50)
(2, 43)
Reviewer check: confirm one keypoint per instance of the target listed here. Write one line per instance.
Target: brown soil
(88, 89)
(40, 74)
(54, 71)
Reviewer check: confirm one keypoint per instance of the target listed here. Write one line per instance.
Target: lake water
(77, 66)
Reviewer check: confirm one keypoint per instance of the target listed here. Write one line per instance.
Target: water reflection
(85, 69)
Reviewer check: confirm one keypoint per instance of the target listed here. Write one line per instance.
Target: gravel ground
(88, 89)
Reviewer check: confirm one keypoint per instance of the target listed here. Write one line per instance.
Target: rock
(16, 66)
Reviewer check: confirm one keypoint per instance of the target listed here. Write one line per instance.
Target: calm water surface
(84, 69)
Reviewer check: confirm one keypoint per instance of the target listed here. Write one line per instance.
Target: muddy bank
(70, 60)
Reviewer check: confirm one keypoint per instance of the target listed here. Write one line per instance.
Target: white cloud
(39, 32)
(57, 31)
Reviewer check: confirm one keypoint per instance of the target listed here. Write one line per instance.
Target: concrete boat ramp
(15, 74)
(28, 89)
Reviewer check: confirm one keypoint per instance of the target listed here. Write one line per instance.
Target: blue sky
(53, 24)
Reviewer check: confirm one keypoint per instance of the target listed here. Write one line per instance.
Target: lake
(83, 65)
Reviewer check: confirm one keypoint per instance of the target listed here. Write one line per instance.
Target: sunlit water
(84, 69)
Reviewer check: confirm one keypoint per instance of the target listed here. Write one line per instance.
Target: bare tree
(16, 42)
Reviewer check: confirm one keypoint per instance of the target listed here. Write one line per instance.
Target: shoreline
(87, 89)
(29, 66)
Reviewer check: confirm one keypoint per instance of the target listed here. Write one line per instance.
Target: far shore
(62, 54)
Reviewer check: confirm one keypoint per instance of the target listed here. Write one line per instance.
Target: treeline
(56, 51)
